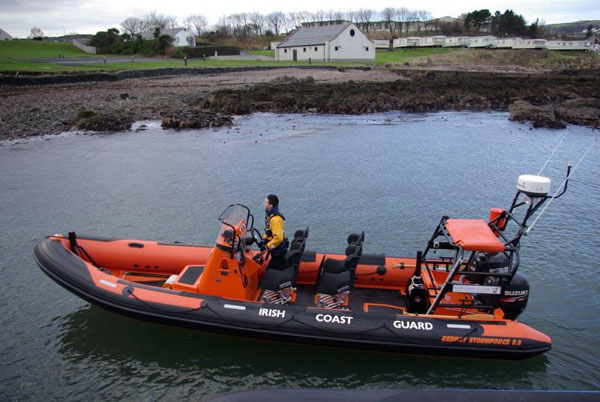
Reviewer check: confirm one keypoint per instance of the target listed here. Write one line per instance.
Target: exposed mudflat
(209, 100)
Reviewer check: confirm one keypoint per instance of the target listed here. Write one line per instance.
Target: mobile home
(482, 41)
(432, 41)
(382, 43)
(457, 41)
(530, 44)
(568, 45)
(411, 41)
(505, 43)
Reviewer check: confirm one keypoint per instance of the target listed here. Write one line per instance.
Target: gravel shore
(49, 109)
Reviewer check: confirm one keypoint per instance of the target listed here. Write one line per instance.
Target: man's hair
(273, 200)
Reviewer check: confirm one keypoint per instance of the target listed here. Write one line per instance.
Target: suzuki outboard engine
(487, 262)
(513, 298)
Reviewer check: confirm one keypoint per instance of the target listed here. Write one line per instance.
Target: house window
(315, 48)
(367, 48)
(284, 50)
(352, 32)
(304, 49)
(336, 48)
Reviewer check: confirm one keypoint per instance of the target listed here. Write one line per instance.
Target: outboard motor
(487, 262)
(514, 295)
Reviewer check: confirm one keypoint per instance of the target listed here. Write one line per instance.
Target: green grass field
(32, 49)
(20, 55)
(404, 55)
(268, 53)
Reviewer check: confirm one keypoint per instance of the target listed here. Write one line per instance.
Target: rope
(553, 152)
(562, 184)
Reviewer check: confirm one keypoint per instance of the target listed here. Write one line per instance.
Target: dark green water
(392, 175)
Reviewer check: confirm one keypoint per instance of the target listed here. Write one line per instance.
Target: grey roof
(171, 32)
(313, 36)
(4, 34)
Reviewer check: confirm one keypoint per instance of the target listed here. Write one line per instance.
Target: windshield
(234, 225)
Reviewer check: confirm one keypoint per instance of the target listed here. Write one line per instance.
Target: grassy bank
(22, 55)
(33, 49)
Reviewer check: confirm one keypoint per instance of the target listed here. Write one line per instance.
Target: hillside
(33, 49)
(573, 28)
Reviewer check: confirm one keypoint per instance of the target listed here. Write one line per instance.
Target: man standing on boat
(274, 238)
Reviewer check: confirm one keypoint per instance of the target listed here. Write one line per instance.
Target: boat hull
(384, 331)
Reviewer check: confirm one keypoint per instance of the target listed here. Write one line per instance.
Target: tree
(197, 23)
(276, 20)
(134, 26)
(161, 42)
(389, 16)
(154, 20)
(366, 16)
(477, 19)
(257, 23)
(508, 23)
(403, 15)
(589, 31)
(424, 18)
(36, 33)
(533, 29)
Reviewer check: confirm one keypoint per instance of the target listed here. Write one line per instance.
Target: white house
(457, 41)
(411, 41)
(4, 35)
(482, 41)
(568, 45)
(181, 36)
(530, 44)
(382, 43)
(326, 43)
(505, 43)
(432, 41)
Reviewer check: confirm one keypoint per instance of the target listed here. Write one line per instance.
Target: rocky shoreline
(211, 100)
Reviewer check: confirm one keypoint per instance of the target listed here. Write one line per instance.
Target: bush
(145, 47)
(200, 51)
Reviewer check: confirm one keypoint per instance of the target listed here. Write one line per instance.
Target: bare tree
(276, 21)
(366, 16)
(36, 33)
(196, 22)
(411, 20)
(422, 16)
(403, 15)
(258, 21)
(154, 20)
(319, 15)
(293, 20)
(389, 16)
(353, 16)
(133, 25)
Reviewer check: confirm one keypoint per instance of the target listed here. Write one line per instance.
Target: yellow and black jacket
(274, 236)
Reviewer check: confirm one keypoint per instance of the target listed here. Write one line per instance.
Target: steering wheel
(256, 236)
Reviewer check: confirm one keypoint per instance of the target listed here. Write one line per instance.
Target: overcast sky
(17, 17)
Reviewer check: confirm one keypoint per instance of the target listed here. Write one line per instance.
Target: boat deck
(359, 299)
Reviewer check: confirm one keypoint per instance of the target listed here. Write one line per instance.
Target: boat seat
(337, 276)
(334, 283)
(278, 284)
(274, 279)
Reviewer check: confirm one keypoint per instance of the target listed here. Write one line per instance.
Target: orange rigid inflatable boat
(460, 296)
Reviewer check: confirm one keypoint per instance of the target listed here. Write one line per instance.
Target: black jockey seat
(279, 283)
(337, 276)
